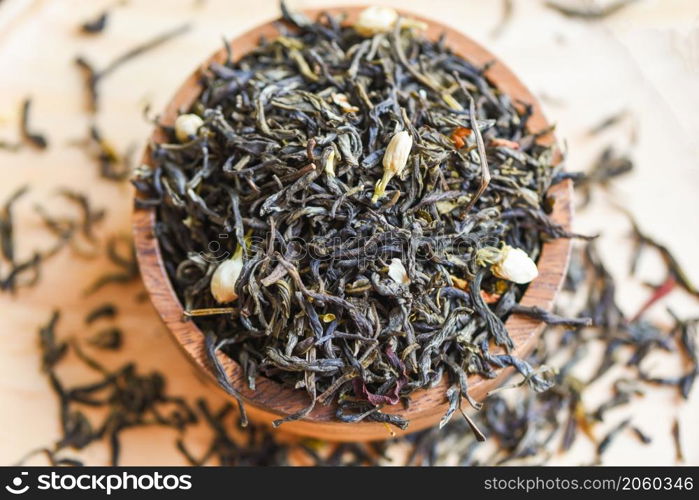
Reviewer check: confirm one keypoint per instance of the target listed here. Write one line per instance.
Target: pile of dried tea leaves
(377, 207)
(318, 139)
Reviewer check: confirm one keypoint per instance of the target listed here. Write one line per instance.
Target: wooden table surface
(645, 60)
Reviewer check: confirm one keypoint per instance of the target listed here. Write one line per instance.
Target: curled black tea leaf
(611, 435)
(679, 454)
(97, 24)
(109, 338)
(36, 139)
(7, 234)
(52, 350)
(222, 378)
(107, 310)
(550, 318)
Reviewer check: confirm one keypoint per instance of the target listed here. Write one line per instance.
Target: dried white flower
(508, 263)
(397, 272)
(375, 19)
(187, 126)
(224, 279)
(394, 160)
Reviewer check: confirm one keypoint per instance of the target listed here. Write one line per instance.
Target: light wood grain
(270, 400)
(643, 60)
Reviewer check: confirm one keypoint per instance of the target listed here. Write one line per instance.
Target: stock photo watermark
(96, 482)
(351, 249)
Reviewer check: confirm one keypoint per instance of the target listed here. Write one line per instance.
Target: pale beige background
(646, 59)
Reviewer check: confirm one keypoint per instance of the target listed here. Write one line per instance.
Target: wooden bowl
(270, 400)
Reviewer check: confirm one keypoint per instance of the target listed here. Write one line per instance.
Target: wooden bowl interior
(270, 400)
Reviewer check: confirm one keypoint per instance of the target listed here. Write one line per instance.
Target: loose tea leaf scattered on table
(130, 398)
(97, 24)
(679, 454)
(76, 232)
(65, 228)
(507, 13)
(26, 134)
(107, 310)
(108, 338)
(607, 167)
(121, 253)
(18, 268)
(608, 122)
(7, 225)
(586, 10)
(36, 139)
(94, 76)
(113, 166)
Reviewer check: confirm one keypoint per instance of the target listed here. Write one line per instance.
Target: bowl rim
(427, 405)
